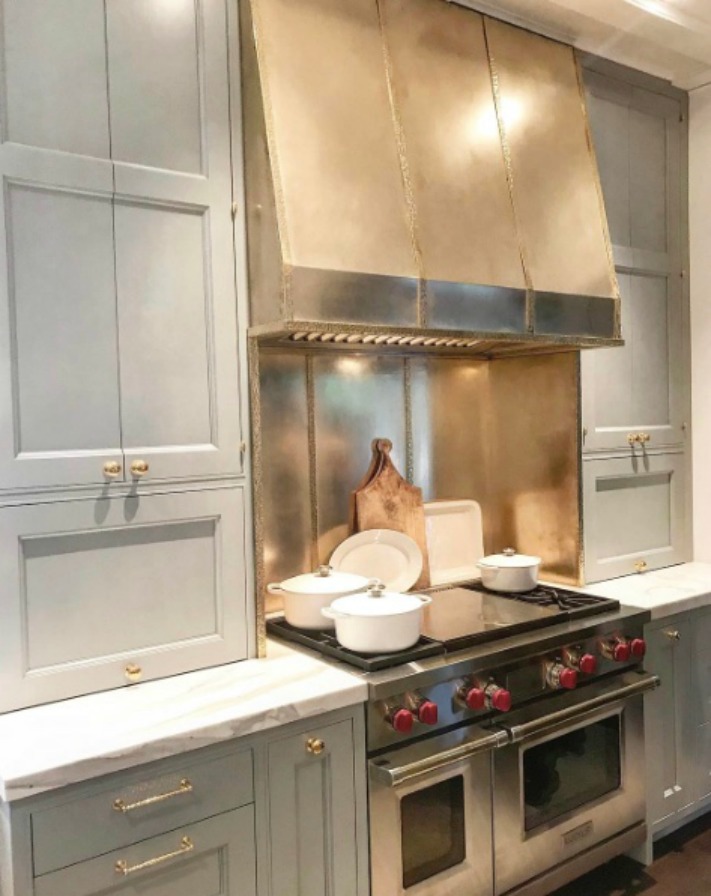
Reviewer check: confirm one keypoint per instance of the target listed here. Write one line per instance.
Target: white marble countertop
(663, 591)
(62, 743)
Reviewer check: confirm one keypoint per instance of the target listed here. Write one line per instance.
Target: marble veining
(664, 592)
(51, 746)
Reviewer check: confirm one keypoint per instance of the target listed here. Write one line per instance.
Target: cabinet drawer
(634, 513)
(210, 858)
(99, 593)
(151, 803)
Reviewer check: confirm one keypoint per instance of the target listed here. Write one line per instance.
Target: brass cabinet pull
(139, 468)
(112, 469)
(638, 438)
(122, 866)
(133, 672)
(673, 635)
(185, 786)
(315, 746)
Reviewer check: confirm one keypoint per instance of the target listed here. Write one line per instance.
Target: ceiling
(668, 38)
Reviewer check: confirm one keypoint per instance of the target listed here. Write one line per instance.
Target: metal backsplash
(504, 433)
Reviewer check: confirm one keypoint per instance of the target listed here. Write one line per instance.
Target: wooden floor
(681, 867)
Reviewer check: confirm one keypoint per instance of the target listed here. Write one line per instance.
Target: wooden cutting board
(384, 500)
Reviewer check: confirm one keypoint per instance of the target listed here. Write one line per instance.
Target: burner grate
(325, 642)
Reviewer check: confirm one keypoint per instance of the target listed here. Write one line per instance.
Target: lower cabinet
(313, 813)
(280, 813)
(677, 723)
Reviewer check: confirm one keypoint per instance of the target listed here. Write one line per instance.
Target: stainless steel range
(506, 753)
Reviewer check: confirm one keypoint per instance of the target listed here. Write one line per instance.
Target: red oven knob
(402, 720)
(568, 679)
(588, 664)
(473, 698)
(560, 676)
(427, 712)
(498, 698)
(617, 650)
(638, 648)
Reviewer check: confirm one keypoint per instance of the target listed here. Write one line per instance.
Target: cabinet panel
(154, 59)
(667, 729)
(638, 387)
(211, 858)
(216, 786)
(55, 75)
(59, 402)
(174, 238)
(702, 666)
(312, 815)
(634, 512)
(93, 586)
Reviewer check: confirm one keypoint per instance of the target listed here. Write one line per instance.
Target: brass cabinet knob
(112, 469)
(315, 746)
(640, 566)
(644, 437)
(633, 438)
(139, 468)
(133, 672)
(673, 635)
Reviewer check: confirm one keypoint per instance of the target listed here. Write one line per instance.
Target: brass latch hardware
(133, 672)
(640, 566)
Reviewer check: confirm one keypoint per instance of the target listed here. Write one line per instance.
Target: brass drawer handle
(122, 866)
(315, 746)
(139, 468)
(112, 469)
(185, 786)
(673, 635)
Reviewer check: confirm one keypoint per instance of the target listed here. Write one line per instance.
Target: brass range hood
(419, 177)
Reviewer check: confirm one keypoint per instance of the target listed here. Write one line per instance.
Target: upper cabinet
(119, 353)
(641, 388)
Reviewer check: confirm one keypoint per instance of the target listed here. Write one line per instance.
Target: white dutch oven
(306, 595)
(509, 571)
(379, 621)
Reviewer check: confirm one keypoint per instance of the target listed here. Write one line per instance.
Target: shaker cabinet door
(312, 813)
(634, 510)
(175, 277)
(668, 726)
(100, 593)
(642, 387)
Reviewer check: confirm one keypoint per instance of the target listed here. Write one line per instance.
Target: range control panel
(479, 694)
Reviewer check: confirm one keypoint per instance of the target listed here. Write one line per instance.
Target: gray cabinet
(259, 814)
(101, 592)
(668, 722)
(314, 824)
(635, 513)
(118, 262)
(678, 719)
(636, 399)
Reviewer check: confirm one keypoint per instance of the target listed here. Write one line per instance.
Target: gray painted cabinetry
(678, 719)
(635, 399)
(120, 375)
(282, 813)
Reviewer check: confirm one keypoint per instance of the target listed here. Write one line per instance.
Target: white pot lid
(325, 581)
(376, 601)
(509, 559)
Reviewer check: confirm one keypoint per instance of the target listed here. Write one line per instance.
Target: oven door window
(433, 834)
(567, 772)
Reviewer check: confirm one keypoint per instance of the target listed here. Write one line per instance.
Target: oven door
(430, 816)
(572, 779)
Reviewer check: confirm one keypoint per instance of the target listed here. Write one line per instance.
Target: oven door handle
(567, 714)
(392, 775)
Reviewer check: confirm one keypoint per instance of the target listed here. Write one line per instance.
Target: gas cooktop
(461, 617)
